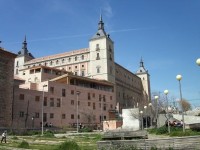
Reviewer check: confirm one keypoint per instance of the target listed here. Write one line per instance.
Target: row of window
(51, 116)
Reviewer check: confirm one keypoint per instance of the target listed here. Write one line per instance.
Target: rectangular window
(97, 47)
(82, 73)
(110, 97)
(104, 98)
(51, 115)
(58, 102)
(89, 103)
(21, 96)
(72, 102)
(63, 116)
(94, 107)
(63, 93)
(72, 92)
(104, 107)
(45, 101)
(51, 102)
(72, 116)
(37, 115)
(89, 96)
(37, 98)
(75, 73)
(52, 90)
(21, 114)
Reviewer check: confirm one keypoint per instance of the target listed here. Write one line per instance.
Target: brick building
(6, 87)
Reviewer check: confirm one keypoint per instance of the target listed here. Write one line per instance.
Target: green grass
(84, 141)
(174, 131)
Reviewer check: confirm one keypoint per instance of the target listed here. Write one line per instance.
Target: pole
(146, 117)
(168, 115)
(77, 111)
(43, 109)
(182, 106)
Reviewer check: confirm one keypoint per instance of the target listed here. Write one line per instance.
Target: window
(57, 62)
(76, 67)
(45, 101)
(58, 102)
(104, 107)
(75, 58)
(82, 66)
(52, 90)
(98, 69)
(51, 63)
(82, 73)
(17, 64)
(93, 95)
(21, 114)
(111, 106)
(97, 47)
(94, 107)
(110, 57)
(88, 96)
(63, 93)
(110, 49)
(45, 64)
(63, 60)
(51, 102)
(37, 115)
(51, 115)
(72, 116)
(37, 98)
(76, 73)
(89, 103)
(63, 116)
(17, 71)
(69, 60)
(104, 98)
(82, 57)
(110, 97)
(72, 102)
(98, 57)
(72, 92)
(69, 68)
(21, 96)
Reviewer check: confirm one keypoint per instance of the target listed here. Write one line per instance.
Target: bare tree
(185, 105)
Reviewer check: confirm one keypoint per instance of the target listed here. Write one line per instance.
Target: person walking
(4, 134)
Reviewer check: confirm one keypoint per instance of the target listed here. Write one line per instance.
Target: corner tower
(101, 47)
(145, 78)
(22, 57)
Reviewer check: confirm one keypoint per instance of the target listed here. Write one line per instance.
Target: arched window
(82, 57)
(98, 69)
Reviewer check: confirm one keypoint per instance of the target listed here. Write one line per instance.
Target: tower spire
(141, 63)
(24, 45)
(101, 24)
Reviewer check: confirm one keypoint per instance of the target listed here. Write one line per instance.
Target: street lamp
(141, 112)
(32, 122)
(77, 97)
(166, 92)
(179, 77)
(156, 98)
(198, 61)
(150, 105)
(43, 109)
(145, 108)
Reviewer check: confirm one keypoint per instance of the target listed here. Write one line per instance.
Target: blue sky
(165, 33)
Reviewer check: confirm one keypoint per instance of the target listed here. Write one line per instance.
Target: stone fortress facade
(85, 84)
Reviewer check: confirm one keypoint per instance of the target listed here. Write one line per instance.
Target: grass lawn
(84, 141)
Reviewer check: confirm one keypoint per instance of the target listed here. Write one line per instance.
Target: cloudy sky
(165, 33)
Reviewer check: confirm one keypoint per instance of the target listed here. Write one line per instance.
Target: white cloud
(107, 10)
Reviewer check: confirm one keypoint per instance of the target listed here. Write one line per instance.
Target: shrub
(68, 145)
(85, 129)
(49, 134)
(23, 144)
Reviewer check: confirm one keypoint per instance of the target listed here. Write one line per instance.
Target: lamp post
(198, 61)
(156, 98)
(179, 77)
(32, 122)
(150, 105)
(43, 109)
(145, 108)
(166, 92)
(141, 112)
(77, 111)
